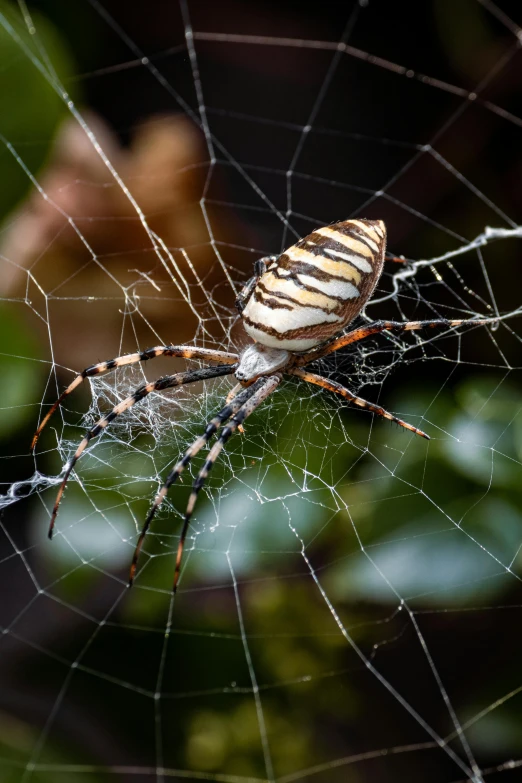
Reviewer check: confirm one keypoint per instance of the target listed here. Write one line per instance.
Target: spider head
(259, 360)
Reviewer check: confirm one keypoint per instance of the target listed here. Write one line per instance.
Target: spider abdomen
(317, 286)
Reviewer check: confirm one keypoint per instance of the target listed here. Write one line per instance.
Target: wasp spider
(295, 308)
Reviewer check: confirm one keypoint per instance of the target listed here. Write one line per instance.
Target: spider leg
(268, 386)
(168, 382)
(182, 351)
(245, 294)
(259, 391)
(230, 396)
(231, 408)
(395, 259)
(386, 326)
(248, 289)
(332, 386)
(234, 392)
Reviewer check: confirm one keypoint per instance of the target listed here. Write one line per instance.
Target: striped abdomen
(317, 286)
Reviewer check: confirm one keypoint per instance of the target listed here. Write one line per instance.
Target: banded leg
(230, 396)
(168, 382)
(387, 326)
(395, 259)
(234, 392)
(266, 387)
(246, 292)
(332, 386)
(181, 351)
(231, 408)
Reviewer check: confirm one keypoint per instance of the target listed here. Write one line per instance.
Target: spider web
(350, 601)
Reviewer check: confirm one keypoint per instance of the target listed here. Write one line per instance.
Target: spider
(295, 307)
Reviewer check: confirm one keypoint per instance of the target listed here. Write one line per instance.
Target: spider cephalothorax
(295, 308)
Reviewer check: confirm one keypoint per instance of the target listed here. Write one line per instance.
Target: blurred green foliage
(36, 107)
(35, 111)
(22, 373)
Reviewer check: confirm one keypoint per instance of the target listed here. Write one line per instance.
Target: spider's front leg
(388, 326)
(260, 267)
(167, 382)
(181, 351)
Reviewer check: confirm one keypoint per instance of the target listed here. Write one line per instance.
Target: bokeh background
(247, 675)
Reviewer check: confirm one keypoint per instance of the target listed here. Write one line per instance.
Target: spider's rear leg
(230, 396)
(180, 351)
(266, 387)
(332, 386)
(231, 409)
(233, 393)
(168, 382)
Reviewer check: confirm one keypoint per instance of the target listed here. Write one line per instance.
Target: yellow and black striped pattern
(317, 286)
